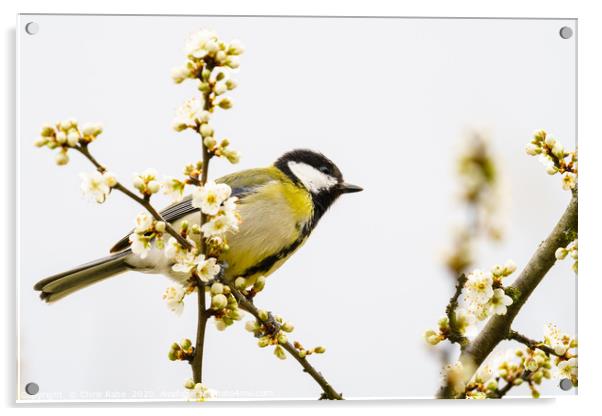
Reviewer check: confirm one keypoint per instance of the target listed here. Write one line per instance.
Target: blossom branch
(203, 315)
(84, 150)
(328, 391)
(498, 327)
(530, 343)
(455, 335)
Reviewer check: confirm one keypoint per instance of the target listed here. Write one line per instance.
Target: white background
(588, 66)
(370, 281)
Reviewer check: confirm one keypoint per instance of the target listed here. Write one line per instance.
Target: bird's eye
(324, 169)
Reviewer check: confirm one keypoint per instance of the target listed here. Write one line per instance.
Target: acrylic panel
(461, 133)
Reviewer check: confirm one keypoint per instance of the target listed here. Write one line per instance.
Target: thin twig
(454, 334)
(531, 343)
(329, 392)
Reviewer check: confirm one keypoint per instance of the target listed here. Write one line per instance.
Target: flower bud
(92, 129)
(179, 74)
(209, 142)
(47, 131)
(279, 352)
(532, 149)
(233, 62)
(219, 302)
(61, 137)
(509, 267)
(263, 342)
(263, 315)
(319, 350)
(288, 327)
(302, 353)
(189, 384)
(231, 84)
(186, 344)
(206, 130)
(41, 141)
(561, 253)
(432, 337)
(225, 103)
(236, 314)
(138, 183)
(558, 150)
(217, 288)
(204, 87)
(251, 326)
(220, 57)
(220, 88)
(551, 169)
(160, 226)
(172, 355)
(62, 158)
(153, 187)
(531, 364)
(259, 283)
(240, 283)
(233, 157)
(220, 325)
(72, 138)
(235, 48)
(282, 338)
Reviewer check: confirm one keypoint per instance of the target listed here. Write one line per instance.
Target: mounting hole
(32, 28)
(566, 384)
(32, 389)
(566, 32)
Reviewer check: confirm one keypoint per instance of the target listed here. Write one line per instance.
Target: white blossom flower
(140, 244)
(185, 264)
(548, 163)
(555, 339)
(96, 185)
(500, 301)
(201, 43)
(174, 188)
(92, 129)
(235, 48)
(179, 74)
(144, 223)
(200, 392)
(478, 287)
(218, 226)
(210, 197)
(207, 268)
(189, 114)
(568, 368)
(174, 297)
(569, 181)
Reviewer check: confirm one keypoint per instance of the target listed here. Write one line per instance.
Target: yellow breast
(273, 218)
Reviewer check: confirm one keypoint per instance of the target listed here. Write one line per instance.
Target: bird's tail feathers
(60, 285)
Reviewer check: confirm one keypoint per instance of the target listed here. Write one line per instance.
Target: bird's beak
(348, 188)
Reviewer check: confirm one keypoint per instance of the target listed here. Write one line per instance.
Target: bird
(279, 207)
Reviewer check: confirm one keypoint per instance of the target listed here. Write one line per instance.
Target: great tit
(279, 207)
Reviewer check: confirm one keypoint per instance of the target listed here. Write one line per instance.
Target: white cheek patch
(312, 178)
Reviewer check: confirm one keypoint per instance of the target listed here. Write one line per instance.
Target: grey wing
(239, 182)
